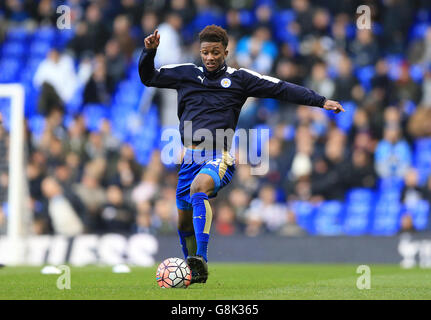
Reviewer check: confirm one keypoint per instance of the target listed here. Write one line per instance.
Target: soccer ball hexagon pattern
(173, 273)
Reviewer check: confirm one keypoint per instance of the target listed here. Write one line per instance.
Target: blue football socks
(202, 218)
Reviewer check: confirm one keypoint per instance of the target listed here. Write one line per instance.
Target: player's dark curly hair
(214, 33)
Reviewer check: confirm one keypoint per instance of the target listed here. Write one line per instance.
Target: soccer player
(210, 97)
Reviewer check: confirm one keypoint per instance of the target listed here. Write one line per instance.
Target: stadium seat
(421, 158)
(418, 31)
(93, 115)
(5, 111)
(358, 207)
(45, 34)
(13, 49)
(394, 66)
(304, 212)
(9, 70)
(364, 75)
(420, 212)
(328, 219)
(344, 120)
(386, 220)
(417, 72)
(390, 188)
(36, 124)
(74, 105)
(39, 49)
(18, 34)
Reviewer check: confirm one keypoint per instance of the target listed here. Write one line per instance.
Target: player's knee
(202, 183)
(185, 225)
(200, 188)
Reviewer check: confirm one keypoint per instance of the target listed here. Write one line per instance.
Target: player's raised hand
(333, 105)
(153, 40)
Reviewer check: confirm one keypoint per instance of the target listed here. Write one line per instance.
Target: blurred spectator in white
(301, 165)
(147, 188)
(51, 76)
(393, 156)
(257, 52)
(265, 212)
(64, 219)
(169, 52)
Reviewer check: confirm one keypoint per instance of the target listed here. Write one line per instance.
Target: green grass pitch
(237, 281)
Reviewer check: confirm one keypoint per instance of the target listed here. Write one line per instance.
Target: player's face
(213, 55)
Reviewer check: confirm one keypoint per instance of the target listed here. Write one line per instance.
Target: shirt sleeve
(259, 86)
(166, 77)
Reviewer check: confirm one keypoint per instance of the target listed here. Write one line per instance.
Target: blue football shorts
(220, 165)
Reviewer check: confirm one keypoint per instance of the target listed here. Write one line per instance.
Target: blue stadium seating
(93, 115)
(74, 105)
(418, 30)
(39, 49)
(17, 34)
(421, 158)
(5, 111)
(36, 124)
(358, 207)
(417, 72)
(9, 70)
(13, 49)
(305, 213)
(420, 212)
(45, 34)
(329, 218)
(364, 75)
(344, 120)
(386, 220)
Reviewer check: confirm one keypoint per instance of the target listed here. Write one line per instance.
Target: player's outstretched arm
(162, 78)
(260, 86)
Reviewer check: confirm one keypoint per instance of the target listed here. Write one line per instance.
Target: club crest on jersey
(225, 82)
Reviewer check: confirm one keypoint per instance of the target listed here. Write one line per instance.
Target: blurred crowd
(83, 181)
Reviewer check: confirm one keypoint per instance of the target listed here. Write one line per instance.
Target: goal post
(16, 231)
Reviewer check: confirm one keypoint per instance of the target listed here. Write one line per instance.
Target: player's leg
(186, 232)
(202, 186)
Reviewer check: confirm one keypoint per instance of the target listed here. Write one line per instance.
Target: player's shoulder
(253, 75)
(179, 66)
